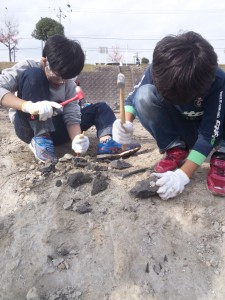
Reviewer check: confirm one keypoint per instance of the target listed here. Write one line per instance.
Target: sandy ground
(122, 249)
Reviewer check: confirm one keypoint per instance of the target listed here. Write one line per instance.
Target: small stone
(157, 268)
(216, 271)
(32, 294)
(80, 162)
(61, 266)
(66, 264)
(49, 167)
(216, 226)
(57, 261)
(79, 195)
(58, 183)
(145, 188)
(78, 294)
(66, 157)
(207, 263)
(83, 209)
(147, 268)
(62, 251)
(77, 179)
(120, 164)
(74, 252)
(100, 184)
(97, 168)
(68, 204)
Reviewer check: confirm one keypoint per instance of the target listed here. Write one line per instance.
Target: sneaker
(216, 176)
(173, 160)
(43, 148)
(112, 149)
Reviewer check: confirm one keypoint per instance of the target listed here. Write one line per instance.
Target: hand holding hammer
(121, 86)
(122, 130)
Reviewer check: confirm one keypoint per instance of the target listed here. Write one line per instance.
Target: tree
(8, 37)
(47, 27)
(115, 56)
(144, 60)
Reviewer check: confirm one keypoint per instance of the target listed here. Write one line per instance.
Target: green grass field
(87, 68)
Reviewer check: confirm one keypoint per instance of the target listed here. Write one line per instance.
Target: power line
(94, 10)
(134, 38)
(144, 12)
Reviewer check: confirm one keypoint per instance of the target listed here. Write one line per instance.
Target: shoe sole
(119, 155)
(32, 149)
(214, 193)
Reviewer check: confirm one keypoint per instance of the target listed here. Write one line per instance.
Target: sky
(133, 27)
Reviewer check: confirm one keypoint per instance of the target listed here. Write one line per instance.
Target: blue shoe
(43, 148)
(112, 149)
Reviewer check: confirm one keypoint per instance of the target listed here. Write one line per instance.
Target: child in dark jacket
(180, 100)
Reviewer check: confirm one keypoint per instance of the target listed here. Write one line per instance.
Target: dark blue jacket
(210, 110)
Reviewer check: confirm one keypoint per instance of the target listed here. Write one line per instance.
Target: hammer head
(120, 81)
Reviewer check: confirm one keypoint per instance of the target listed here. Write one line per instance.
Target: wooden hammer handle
(122, 111)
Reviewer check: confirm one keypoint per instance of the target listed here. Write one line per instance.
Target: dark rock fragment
(77, 179)
(100, 184)
(80, 162)
(120, 164)
(49, 167)
(100, 168)
(83, 209)
(147, 268)
(97, 168)
(145, 188)
(58, 183)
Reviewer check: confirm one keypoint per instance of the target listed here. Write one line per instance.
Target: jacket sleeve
(212, 124)
(146, 78)
(71, 111)
(9, 78)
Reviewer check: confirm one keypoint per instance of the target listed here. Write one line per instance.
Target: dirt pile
(64, 242)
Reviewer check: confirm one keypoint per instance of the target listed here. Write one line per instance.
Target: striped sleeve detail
(130, 109)
(196, 157)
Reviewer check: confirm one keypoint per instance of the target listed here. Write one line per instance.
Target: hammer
(57, 111)
(121, 86)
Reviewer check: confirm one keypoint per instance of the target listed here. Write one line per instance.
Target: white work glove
(42, 108)
(122, 133)
(171, 183)
(80, 143)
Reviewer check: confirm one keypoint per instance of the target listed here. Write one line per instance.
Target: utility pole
(60, 14)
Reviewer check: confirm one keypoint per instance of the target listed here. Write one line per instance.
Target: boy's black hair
(183, 67)
(65, 56)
